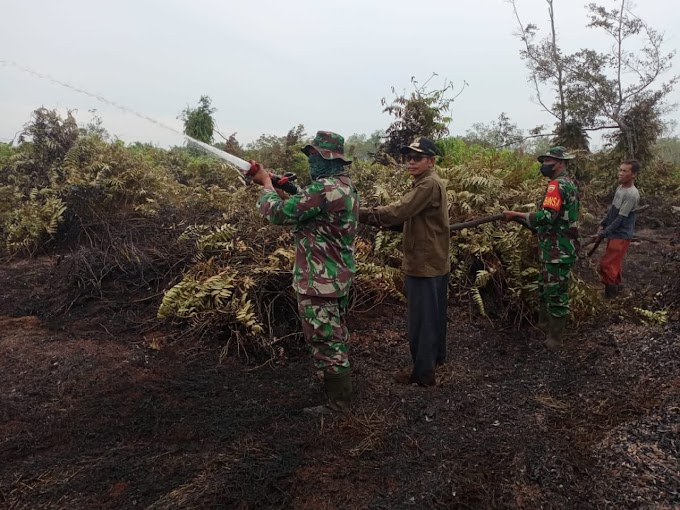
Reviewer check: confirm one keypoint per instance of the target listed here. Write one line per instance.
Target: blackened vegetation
(91, 420)
(103, 405)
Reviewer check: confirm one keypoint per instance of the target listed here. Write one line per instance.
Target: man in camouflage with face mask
(324, 219)
(555, 224)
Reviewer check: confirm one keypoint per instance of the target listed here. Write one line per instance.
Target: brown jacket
(424, 214)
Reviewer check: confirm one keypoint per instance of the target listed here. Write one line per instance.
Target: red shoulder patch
(553, 199)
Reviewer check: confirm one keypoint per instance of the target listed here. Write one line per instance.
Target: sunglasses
(415, 157)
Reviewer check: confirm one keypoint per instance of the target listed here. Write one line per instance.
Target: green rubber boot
(338, 391)
(556, 327)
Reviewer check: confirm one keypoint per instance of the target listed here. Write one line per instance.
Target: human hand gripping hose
(597, 239)
(249, 168)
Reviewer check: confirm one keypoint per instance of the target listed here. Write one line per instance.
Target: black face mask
(547, 169)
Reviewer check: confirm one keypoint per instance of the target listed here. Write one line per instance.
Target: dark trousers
(426, 322)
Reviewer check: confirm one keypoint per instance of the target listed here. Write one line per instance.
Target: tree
(642, 127)
(95, 127)
(546, 64)
(500, 133)
(572, 135)
(668, 149)
(47, 139)
(199, 122)
(363, 147)
(620, 89)
(281, 152)
(231, 145)
(421, 113)
(620, 85)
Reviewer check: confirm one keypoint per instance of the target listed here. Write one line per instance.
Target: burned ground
(98, 413)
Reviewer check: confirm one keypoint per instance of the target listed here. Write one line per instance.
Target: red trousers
(612, 262)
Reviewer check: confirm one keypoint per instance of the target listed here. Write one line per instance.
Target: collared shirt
(424, 214)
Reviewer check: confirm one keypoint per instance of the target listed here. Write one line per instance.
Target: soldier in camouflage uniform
(324, 219)
(555, 224)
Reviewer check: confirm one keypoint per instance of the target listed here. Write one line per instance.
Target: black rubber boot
(611, 291)
(556, 327)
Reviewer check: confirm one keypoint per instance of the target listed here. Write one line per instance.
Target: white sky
(271, 64)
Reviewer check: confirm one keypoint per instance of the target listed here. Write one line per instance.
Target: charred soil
(98, 410)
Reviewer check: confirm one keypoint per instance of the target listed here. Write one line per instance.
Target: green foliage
(44, 142)
(668, 149)
(133, 210)
(658, 318)
(6, 151)
(658, 178)
(31, 221)
(232, 146)
(573, 136)
(60, 175)
(644, 128)
(282, 153)
(494, 265)
(199, 122)
(501, 134)
(455, 152)
(361, 147)
(95, 127)
(421, 113)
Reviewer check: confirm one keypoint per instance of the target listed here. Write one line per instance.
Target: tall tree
(623, 88)
(619, 89)
(546, 64)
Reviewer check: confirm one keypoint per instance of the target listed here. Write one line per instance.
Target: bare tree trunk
(620, 51)
(558, 65)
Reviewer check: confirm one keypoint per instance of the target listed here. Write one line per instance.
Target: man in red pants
(619, 227)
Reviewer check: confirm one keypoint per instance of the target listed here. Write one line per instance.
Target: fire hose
(247, 168)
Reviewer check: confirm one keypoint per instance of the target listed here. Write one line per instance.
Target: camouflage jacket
(324, 215)
(555, 222)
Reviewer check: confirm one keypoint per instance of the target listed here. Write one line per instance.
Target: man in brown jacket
(423, 214)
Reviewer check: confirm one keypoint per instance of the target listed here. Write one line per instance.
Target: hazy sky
(271, 64)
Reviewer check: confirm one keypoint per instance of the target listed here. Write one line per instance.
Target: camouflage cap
(558, 152)
(330, 145)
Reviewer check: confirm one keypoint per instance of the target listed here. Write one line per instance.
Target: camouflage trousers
(553, 288)
(323, 324)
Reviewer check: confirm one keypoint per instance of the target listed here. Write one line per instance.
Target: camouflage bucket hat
(329, 145)
(558, 152)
